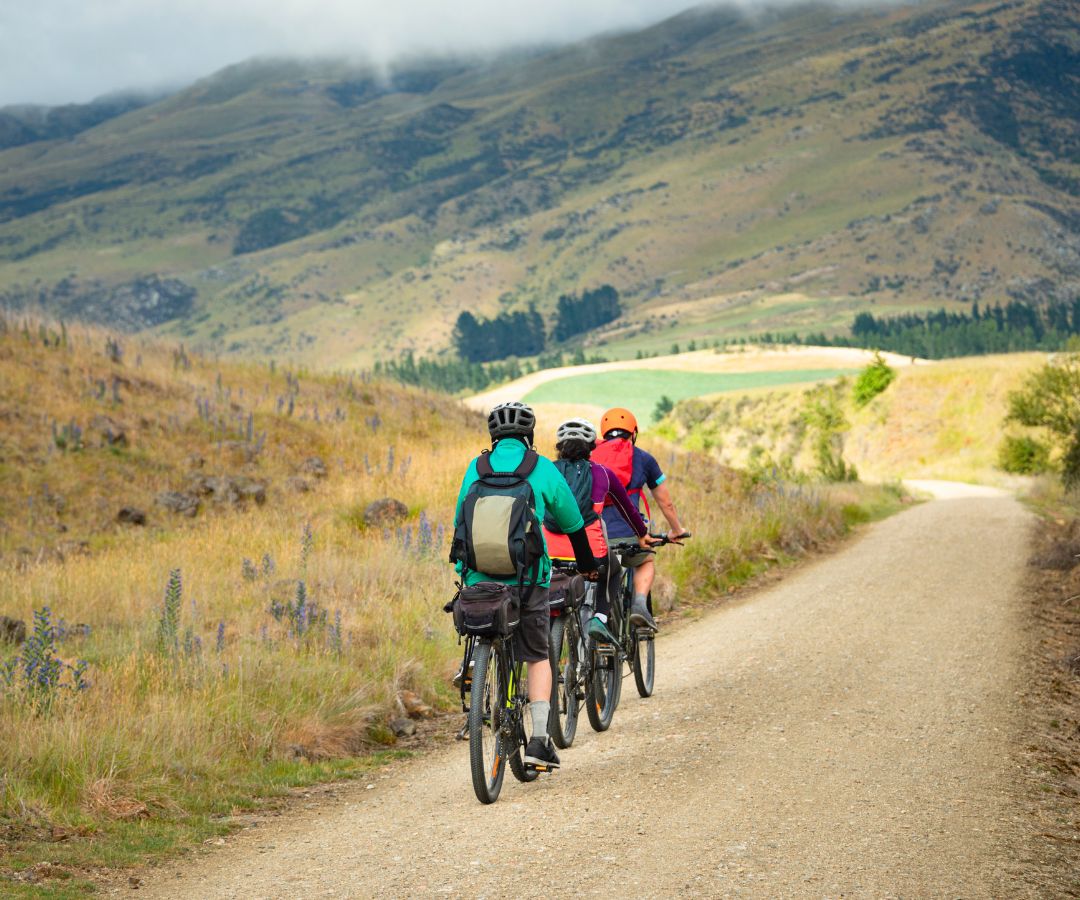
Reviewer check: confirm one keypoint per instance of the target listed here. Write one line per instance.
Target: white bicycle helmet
(513, 419)
(576, 429)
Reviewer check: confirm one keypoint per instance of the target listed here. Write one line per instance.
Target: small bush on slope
(872, 381)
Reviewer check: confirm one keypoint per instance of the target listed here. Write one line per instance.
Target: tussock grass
(286, 653)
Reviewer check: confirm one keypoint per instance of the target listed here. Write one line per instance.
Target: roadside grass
(295, 626)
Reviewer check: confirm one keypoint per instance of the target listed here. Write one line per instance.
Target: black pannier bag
(487, 609)
(567, 591)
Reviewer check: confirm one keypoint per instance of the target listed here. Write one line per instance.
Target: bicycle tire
(516, 757)
(602, 689)
(644, 664)
(565, 705)
(486, 759)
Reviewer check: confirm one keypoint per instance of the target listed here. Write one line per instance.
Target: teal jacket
(550, 490)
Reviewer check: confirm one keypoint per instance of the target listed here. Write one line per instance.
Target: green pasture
(640, 390)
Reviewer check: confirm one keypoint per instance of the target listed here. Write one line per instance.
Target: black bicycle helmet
(513, 419)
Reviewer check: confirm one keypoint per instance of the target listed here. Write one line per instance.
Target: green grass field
(640, 391)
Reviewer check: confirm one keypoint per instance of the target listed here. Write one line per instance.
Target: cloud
(63, 51)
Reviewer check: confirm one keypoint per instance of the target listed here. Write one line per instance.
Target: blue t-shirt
(646, 473)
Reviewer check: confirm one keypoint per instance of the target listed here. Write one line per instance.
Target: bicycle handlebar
(661, 539)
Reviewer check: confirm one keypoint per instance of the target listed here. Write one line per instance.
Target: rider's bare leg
(643, 577)
(540, 680)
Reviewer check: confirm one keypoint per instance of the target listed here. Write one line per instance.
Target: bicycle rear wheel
(486, 759)
(565, 703)
(644, 663)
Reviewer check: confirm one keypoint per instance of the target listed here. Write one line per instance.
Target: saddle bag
(487, 609)
(566, 592)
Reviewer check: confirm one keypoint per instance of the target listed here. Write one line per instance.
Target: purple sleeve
(622, 501)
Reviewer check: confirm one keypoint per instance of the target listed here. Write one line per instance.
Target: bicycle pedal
(534, 767)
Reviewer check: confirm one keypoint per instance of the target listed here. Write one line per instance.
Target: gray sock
(641, 599)
(540, 710)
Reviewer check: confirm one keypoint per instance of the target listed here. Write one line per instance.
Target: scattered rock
(403, 727)
(12, 631)
(664, 594)
(314, 466)
(227, 489)
(180, 502)
(385, 512)
(414, 707)
(129, 515)
(298, 485)
(110, 431)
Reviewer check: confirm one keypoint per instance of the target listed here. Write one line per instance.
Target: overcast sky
(64, 51)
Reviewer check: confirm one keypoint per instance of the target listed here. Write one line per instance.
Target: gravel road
(847, 732)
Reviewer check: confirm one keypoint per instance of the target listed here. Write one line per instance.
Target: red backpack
(618, 455)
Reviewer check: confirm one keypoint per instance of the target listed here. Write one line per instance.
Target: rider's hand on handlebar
(590, 575)
(679, 537)
(647, 541)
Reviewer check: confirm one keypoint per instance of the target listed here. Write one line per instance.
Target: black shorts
(531, 637)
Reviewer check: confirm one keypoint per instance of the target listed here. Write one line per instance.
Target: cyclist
(511, 426)
(637, 470)
(593, 485)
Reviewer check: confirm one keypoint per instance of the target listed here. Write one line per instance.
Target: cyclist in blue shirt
(640, 469)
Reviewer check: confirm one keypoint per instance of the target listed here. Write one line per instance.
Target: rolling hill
(729, 174)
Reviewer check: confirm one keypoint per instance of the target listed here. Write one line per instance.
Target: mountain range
(729, 173)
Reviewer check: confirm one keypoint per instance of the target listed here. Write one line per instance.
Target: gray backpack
(499, 533)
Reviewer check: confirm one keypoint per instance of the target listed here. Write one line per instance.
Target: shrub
(663, 406)
(872, 381)
(1023, 455)
(1050, 399)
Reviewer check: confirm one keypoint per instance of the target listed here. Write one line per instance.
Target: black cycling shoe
(541, 755)
(641, 617)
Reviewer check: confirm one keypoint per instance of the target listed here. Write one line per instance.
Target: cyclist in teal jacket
(512, 426)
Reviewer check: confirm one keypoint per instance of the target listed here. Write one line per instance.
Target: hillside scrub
(940, 420)
(874, 379)
(1050, 399)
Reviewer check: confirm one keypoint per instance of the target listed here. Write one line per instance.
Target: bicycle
(635, 645)
(569, 670)
(496, 710)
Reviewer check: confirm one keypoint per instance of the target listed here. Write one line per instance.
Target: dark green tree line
(577, 315)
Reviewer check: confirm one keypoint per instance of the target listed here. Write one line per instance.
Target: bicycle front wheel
(486, 759)
(604, 686)
(565, 703)
(644, 663)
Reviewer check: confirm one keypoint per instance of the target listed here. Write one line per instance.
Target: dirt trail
(846, 732)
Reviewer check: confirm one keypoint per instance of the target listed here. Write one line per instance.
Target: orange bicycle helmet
(618, 418)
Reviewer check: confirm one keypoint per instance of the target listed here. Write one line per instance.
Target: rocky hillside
(728, 174)
(102, 436)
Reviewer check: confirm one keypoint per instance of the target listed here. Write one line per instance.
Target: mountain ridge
(725, 173)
